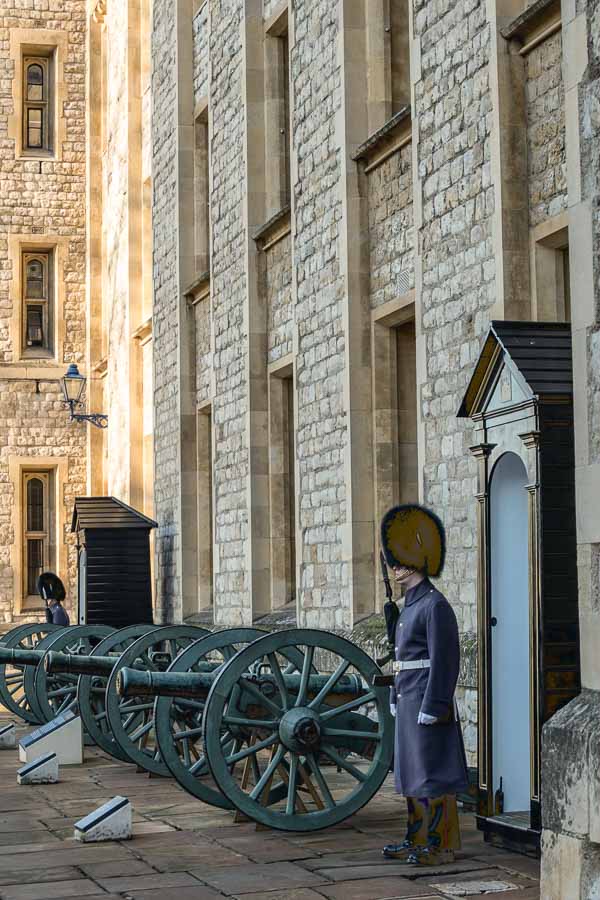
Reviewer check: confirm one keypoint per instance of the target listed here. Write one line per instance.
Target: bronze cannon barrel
(196, 685)
(20, 657)
(74, 664)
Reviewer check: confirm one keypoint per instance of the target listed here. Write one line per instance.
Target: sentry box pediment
(113, 542)
(520, 400)
(520, 363)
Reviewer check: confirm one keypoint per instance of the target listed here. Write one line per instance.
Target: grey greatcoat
(429, 759)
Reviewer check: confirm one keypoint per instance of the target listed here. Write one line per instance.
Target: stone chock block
(63, 736)
(110, 822)
(8, 737)
(43, 770)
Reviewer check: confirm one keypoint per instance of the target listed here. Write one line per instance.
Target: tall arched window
(36, 538)
(37, 303)
(37, 124)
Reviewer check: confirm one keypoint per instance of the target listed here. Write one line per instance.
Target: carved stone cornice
(481, 451)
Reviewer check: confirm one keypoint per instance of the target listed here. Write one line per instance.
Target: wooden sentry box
(520, 398)
(113, 552)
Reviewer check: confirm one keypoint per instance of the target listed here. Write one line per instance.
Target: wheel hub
(300, 730)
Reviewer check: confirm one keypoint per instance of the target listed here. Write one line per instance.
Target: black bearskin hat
(413, 536)
(50, 587)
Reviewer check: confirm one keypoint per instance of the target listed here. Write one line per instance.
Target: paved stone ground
(185, 850)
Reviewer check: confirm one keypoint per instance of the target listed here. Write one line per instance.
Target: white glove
(424, 719)
(393, 709)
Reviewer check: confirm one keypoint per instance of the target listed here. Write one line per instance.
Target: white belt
(410, 664)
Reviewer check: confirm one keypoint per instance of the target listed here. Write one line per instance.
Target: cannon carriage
(289, 729)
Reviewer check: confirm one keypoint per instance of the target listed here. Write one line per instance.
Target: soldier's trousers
(433, 822)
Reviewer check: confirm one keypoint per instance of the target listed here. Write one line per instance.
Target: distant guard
(52, 591)
(429, 764)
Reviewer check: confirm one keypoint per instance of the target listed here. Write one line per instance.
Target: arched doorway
(510, 650)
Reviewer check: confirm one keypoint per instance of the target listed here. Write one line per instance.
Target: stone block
(43, 770)
(8, 737)
(63, 736)
(110, 822)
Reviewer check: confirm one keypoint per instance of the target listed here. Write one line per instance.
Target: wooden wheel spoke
(347, 707)
(250, 723)
(140, 731)
(322, 784)
(290, 806)
(279, 680)
(199, 767)
(267, 775)
(187, 733)
(339, 760)
(254, 748)
(306, 669)
(316, 702)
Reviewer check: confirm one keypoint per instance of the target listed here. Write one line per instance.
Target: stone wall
(546, 154)
(280, 309)
(391, 233)
(322, 435)
(42, 197)
(229, 293)
(165, 311)
(452, 108)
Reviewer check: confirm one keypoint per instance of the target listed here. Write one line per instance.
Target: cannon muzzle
(20, 657)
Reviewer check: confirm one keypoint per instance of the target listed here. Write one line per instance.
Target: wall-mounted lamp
(73, 384)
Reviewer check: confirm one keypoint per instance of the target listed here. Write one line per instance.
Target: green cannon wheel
(91, 690)
(178, 720)
(132, 723)
(12, 676)
(317, 755)
(56, 693)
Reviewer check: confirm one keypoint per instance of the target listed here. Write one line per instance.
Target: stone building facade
(42, 292)
(345, 196)
(76, 284)
(119, 231)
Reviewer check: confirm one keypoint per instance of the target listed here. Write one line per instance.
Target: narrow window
(290, 487)
(277, 96)
(282, 488)
(399, 54)
(406, 373)
(552, 278)
(36, 537)
(201, 193)
(204, 491)
(37, 303)
(37, 87)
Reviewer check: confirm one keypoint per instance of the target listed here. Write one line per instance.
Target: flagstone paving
(184, 850)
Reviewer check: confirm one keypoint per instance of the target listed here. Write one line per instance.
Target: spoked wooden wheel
(320, 745)
(178, 720)
(91, 690)
(131, 721)
(56, 693)
(12, 676)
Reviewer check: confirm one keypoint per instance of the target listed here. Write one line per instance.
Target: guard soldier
(429, 765)
(52, 591)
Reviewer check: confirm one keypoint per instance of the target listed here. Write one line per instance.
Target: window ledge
(198, 290)
(274, 229)
(391, 137)
(536, 23)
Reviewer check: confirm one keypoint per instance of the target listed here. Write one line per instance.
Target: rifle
(390, 611)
